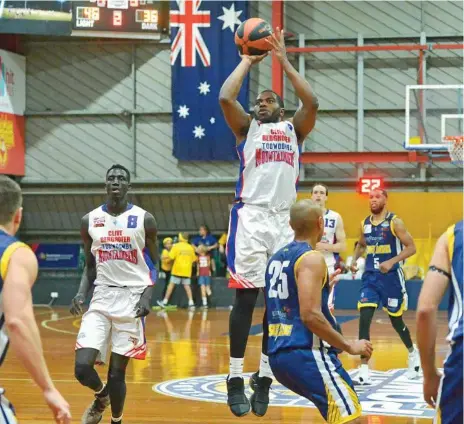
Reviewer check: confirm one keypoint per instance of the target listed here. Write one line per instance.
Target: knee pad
(83, 372)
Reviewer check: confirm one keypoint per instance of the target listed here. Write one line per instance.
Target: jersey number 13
(279, 284)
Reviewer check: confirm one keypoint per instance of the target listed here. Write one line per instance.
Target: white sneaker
(364, 377)
(414, 368)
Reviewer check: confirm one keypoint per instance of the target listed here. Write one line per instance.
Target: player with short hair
(121, 249)
(445, 393)
(334, 239)
(387, 244)
(269, 149)
(18, 274)
(302, 332)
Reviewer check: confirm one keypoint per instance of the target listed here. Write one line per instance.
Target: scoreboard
(121, 18)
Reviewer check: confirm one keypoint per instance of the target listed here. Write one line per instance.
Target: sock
(103, 392)
(205, 301)
(364, 367)
(191, 303)
(236, 367)
(116, 420)
(264, 368)
(411, 349)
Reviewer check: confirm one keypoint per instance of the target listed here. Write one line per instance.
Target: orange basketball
(251, 37)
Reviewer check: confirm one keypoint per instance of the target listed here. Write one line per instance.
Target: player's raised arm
(434, 287)
(236, 117)
(310, 276)
(90, 270)
(305, 117)
(22, 328)
(399, 229)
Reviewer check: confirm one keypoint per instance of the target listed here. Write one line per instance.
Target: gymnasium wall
(77, 92)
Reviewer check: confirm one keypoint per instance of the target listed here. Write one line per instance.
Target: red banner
(12, 151)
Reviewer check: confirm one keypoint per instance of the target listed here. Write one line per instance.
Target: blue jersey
(286, 330)
(382, 243)
(455, 240)
(8, 244)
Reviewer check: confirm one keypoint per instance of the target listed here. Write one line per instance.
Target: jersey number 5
(279, 283)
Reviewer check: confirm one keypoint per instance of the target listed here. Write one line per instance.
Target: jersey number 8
(279, 283)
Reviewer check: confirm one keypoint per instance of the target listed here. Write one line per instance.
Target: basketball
(252, 35)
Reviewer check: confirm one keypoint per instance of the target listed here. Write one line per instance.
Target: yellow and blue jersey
(286, 329)
(455, 318)
(8, 245)
(449, 403)
(382, 243)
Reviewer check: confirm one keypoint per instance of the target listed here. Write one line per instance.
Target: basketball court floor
(182, 380)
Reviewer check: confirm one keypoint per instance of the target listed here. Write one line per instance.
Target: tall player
(445, 267)
(388, 243)
(269, 148)
(120, 246)
(334, 239)
(302, 331)
(18, 274)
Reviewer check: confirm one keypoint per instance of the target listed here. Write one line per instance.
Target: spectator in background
(166, 262)
(206, 239)
(183, 256)
(204, 268)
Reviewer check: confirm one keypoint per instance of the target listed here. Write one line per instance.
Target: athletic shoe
(94, 413)
(236, 399)
(260, 398)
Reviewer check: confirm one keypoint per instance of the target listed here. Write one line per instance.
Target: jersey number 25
(279, 284)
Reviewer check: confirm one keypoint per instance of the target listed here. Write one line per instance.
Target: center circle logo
(391, 393)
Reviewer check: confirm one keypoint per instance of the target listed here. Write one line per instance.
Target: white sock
(191, 303)
(264, 367)
(236, 367)
(365, 367)
(205, 301)
(100, 391)
(116, 420)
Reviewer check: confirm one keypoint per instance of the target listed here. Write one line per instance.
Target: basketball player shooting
(388, 244)
(18, 274)
(443, 392)
(303, 339)
(268, 146)
(334, 238)
(120, 249)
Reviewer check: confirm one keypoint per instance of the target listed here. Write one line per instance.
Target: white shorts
(7, 412)
(255, 233)
(111, 318)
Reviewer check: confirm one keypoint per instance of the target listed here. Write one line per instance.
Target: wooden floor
(183, 345)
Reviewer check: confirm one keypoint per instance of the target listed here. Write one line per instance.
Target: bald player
(302, 336)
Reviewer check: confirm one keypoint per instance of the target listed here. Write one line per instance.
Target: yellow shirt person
(183, 255)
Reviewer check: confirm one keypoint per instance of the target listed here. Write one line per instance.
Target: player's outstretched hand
(277, 41)
(431, 384)
(253, 59)
(361, 347)
(76, 304)
(142, 308)
(58, 405)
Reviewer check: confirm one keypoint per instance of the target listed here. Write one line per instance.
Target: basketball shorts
(255, 233)
(7, 412)
(318, 376)
(388, 290)
(450, 394)
(111, 319)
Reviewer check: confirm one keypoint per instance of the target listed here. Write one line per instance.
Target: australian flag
(203, 55)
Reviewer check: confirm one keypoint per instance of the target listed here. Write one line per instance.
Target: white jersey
(118, 246)
(331, 219)
(269, 165)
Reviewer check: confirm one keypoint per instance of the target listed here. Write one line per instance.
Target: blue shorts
(204, 280)
(388, 290)
(450, 395)
(318, 376)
